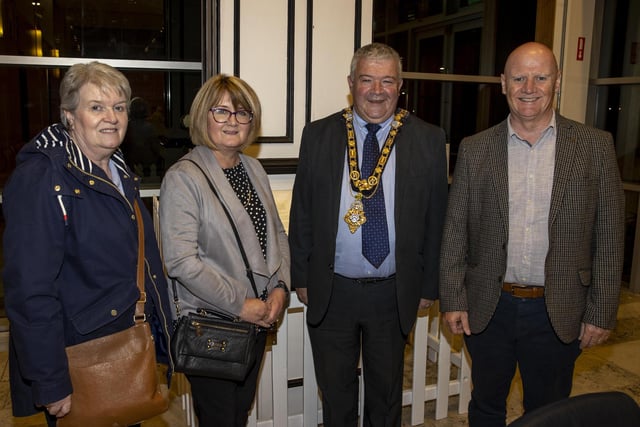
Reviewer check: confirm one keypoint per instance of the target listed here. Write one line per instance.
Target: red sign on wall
(580, 54)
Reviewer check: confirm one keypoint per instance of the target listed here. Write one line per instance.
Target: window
(155, 44)
(613, 105)
(453, 53)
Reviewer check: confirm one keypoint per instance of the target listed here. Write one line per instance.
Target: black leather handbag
(212, 344)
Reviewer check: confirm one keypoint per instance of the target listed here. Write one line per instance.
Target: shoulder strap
(139, 315)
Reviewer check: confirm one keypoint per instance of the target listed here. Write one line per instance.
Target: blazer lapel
(274, 257)
(498, 158)
(403, 148)
(336, 164)
(565, 149)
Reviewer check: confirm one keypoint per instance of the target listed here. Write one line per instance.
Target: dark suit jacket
(421, 191)
(586, 226)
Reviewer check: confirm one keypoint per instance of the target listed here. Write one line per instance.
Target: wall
(575, 73)
(296, 55)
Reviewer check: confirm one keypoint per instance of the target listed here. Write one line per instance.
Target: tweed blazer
(199, 247)
(420, 203)
(586, 226)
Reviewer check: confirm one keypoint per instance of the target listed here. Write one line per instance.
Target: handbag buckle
(217, 345)
(137, 317)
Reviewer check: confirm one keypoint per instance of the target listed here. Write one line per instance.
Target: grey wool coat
(199, 247)
(586, 225)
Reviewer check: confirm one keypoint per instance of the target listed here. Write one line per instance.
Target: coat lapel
(403, 148)
(565, 149)
(336, 164)
(274, 253)
(498, 158)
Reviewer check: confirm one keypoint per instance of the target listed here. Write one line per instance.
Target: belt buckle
(515, 287)
(368, 280)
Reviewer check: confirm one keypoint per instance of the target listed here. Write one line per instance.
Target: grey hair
(375, 51)
(102, 75)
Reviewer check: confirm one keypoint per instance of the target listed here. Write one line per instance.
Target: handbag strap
(139, 316)
(233, 226)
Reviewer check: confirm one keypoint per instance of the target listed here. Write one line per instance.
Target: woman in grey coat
(201, 252)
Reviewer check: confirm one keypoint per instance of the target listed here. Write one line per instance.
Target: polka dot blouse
(239, 180)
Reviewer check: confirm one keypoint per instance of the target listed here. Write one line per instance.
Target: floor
(614, 366)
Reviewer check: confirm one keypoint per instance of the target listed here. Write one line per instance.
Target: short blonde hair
(210, 94)
(102, 75)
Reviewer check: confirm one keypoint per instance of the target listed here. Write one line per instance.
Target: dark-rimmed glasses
(222, 115)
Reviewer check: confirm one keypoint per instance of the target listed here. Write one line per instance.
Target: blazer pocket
(585, 277)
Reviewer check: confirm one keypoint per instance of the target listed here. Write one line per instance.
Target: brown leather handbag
(115, 380)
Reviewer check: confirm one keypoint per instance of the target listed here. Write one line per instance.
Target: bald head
(535, 50)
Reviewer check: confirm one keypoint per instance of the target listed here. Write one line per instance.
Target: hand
(276, 303)
(302, 295)
(425, 303)
(457, 321)
(254, 310)
(591, 335)
(60, 408)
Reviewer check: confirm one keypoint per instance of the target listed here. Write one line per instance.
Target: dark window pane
(619, 50)
(618, 114)
(466, 56)
(431, 55)
(31, 102)
(118, 29)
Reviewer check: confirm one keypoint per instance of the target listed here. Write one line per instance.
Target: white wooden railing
(289, 361)
(287, 390)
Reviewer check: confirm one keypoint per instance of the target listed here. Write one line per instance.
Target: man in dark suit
(365, 239)
(533, 243)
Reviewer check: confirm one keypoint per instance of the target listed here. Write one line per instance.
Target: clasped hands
(264, 313)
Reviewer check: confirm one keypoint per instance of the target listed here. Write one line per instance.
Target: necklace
(366, 188)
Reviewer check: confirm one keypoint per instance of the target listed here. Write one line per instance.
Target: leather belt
(523, 291)
(366, 280)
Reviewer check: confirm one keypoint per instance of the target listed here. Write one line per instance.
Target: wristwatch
(282, 286)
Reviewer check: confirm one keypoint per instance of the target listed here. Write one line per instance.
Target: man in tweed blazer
(533, 243)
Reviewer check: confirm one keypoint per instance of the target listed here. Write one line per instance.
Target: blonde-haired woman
(201, 252)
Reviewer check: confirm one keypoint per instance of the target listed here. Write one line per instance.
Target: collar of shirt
(115, 176)
(359, 126)
(550, 130)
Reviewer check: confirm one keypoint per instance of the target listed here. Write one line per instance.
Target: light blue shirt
(115, 176)
(530, 182)
(349, 260)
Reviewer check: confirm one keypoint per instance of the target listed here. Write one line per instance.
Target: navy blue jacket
(70, 250)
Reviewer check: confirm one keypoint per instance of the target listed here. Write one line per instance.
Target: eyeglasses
(222, 115)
